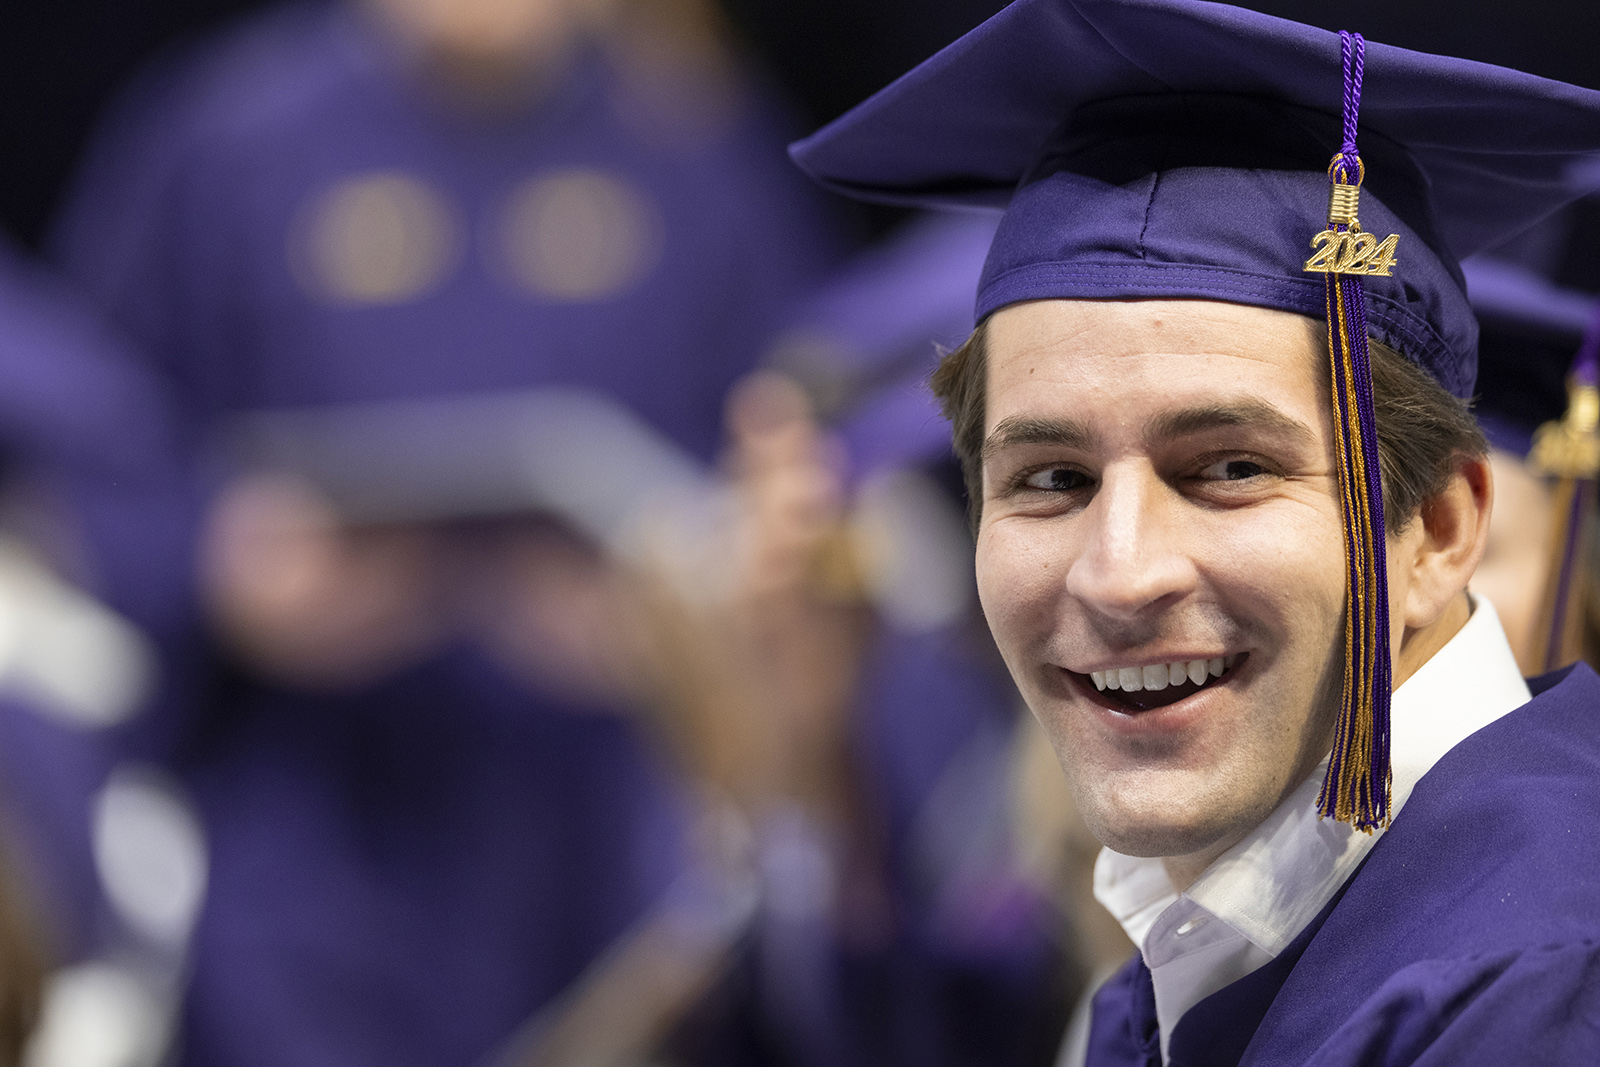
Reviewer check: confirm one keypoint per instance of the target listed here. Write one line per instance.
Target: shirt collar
(1275, 881)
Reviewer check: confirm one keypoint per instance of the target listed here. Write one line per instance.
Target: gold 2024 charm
(1349, 251)
(1352, 252)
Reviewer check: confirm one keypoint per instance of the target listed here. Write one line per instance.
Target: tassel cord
(1357, 787)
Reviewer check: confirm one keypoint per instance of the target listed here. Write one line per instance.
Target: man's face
(1159, 489)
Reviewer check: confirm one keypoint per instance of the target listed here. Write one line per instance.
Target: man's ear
(1443, 545)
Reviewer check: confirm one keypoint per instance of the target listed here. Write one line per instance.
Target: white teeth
(1160, 675)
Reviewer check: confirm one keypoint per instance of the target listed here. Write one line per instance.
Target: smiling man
(1160, 557)
(1228, 496)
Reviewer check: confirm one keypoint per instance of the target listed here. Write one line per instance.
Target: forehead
(1130, 356)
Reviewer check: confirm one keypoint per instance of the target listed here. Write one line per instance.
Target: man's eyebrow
(1250, 412)
(1018, 430)
(1033, 430)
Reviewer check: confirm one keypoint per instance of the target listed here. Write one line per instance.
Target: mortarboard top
(1063, 109)
(1180, 149)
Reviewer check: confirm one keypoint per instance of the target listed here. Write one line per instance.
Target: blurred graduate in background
(836, 684)
(806, 642)
(1540, 331)
(425, 814)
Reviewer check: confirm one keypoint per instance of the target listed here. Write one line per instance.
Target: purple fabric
(182, 221)
(1239, 236)
(915, 289)
(878, 326)
(82, 418)
(1176, 148)
(1471, 933)
(392, 885)
(1506, 434)
(1586, 364)
(1516, 295)
(1531, 328)
(402, 874)
(899, 426)
(1123, 1031)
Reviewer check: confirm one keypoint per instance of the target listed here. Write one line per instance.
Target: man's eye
(1056, 480)
(1232, 470)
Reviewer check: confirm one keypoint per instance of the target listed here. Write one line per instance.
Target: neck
(1184, 870)
(1418, 646)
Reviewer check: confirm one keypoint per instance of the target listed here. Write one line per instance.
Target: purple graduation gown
(1471, 934)
(186, 219)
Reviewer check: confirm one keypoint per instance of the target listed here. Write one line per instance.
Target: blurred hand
(755, 661)
(309, 602)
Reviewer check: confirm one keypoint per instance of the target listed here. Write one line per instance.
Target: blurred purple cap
(1179, 149)
(1531, 329)
(867, 340)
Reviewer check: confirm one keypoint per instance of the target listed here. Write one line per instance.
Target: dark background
(60, 60)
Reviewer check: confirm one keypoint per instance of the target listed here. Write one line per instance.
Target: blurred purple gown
(401, 875)
(962, 964)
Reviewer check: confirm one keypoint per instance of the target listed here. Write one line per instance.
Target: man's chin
(1152, 835)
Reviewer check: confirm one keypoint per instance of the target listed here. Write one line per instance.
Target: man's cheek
(1015, 601)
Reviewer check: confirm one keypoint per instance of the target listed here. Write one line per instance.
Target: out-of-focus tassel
(1569, 452)
(1357, 787)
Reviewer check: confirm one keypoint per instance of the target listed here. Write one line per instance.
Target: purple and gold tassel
(1569, 452)
(1357, 787)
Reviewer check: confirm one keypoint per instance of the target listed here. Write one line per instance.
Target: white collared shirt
(1256, 898)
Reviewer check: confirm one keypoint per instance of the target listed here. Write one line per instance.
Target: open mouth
(1135, 689)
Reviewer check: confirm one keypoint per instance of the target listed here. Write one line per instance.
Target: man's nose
(1131, 559)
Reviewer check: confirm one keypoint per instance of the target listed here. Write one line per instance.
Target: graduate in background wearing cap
(1531, 328)
(817, 663)
(855, 622)
(1228, 503)
(420, 836)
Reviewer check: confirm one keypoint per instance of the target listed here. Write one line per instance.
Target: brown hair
(1421, 427)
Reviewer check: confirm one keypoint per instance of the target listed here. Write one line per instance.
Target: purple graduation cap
(1181, 149)
(1530, 328)
(865, 343)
